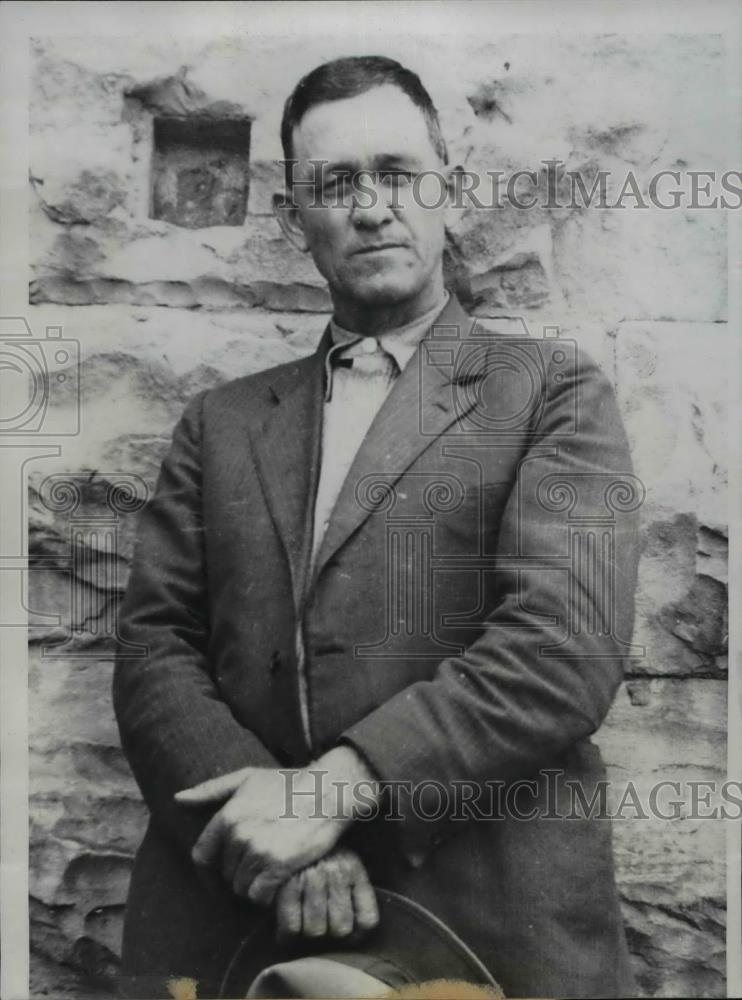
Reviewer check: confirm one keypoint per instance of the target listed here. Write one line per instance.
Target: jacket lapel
(419, 408)
(287, 448)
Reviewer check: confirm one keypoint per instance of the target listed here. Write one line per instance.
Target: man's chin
(378, 295)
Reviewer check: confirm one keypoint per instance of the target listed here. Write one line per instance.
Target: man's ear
(289, 220)
(457, 202)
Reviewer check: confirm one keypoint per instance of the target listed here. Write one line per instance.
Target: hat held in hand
(410, 946)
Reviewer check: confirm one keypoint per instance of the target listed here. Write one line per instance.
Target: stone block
(672, 387)
(681, 610)
(140, 366)
(603, 259)
(87, 819)
(671, 873)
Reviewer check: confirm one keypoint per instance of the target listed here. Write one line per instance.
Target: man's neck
(370, 321)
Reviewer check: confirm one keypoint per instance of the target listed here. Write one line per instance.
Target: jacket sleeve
(544, 671)
(176, 730)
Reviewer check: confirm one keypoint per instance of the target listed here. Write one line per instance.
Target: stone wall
(161, 311)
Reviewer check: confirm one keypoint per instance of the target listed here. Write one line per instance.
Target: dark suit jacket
(466, 622)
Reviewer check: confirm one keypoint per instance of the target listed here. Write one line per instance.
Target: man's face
(365, 219)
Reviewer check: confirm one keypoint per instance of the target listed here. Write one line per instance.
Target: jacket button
(275, 661)
(416, 859)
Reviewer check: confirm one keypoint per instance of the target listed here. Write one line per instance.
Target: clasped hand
(274, 839)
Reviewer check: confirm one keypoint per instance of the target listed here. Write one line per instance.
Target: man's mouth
(379, 247)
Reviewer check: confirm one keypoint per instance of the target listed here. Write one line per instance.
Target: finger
(288, 908)
(232, 854)
(264, 886)
(314, 903)
(365, 905)
(207, 848)
(340, 906)
(245, 873)
(213, 790)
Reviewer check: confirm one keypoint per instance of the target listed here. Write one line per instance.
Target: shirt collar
(401, 342)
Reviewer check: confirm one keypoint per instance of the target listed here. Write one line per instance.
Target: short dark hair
(349, 77)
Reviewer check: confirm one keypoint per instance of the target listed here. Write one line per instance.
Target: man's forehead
(381, 124)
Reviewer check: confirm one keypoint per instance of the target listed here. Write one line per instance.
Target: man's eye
(337, 183)
(396, 178)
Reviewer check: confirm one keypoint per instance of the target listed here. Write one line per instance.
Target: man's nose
(372, 202)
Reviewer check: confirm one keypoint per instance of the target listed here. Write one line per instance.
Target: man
(397, 567)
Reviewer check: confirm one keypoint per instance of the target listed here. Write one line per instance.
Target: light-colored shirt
(354, 395)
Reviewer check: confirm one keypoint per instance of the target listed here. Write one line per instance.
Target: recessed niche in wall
(201, 171)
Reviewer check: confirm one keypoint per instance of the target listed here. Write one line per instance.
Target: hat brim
(410, 945)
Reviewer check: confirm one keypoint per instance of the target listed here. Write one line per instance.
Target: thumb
(214, 790)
